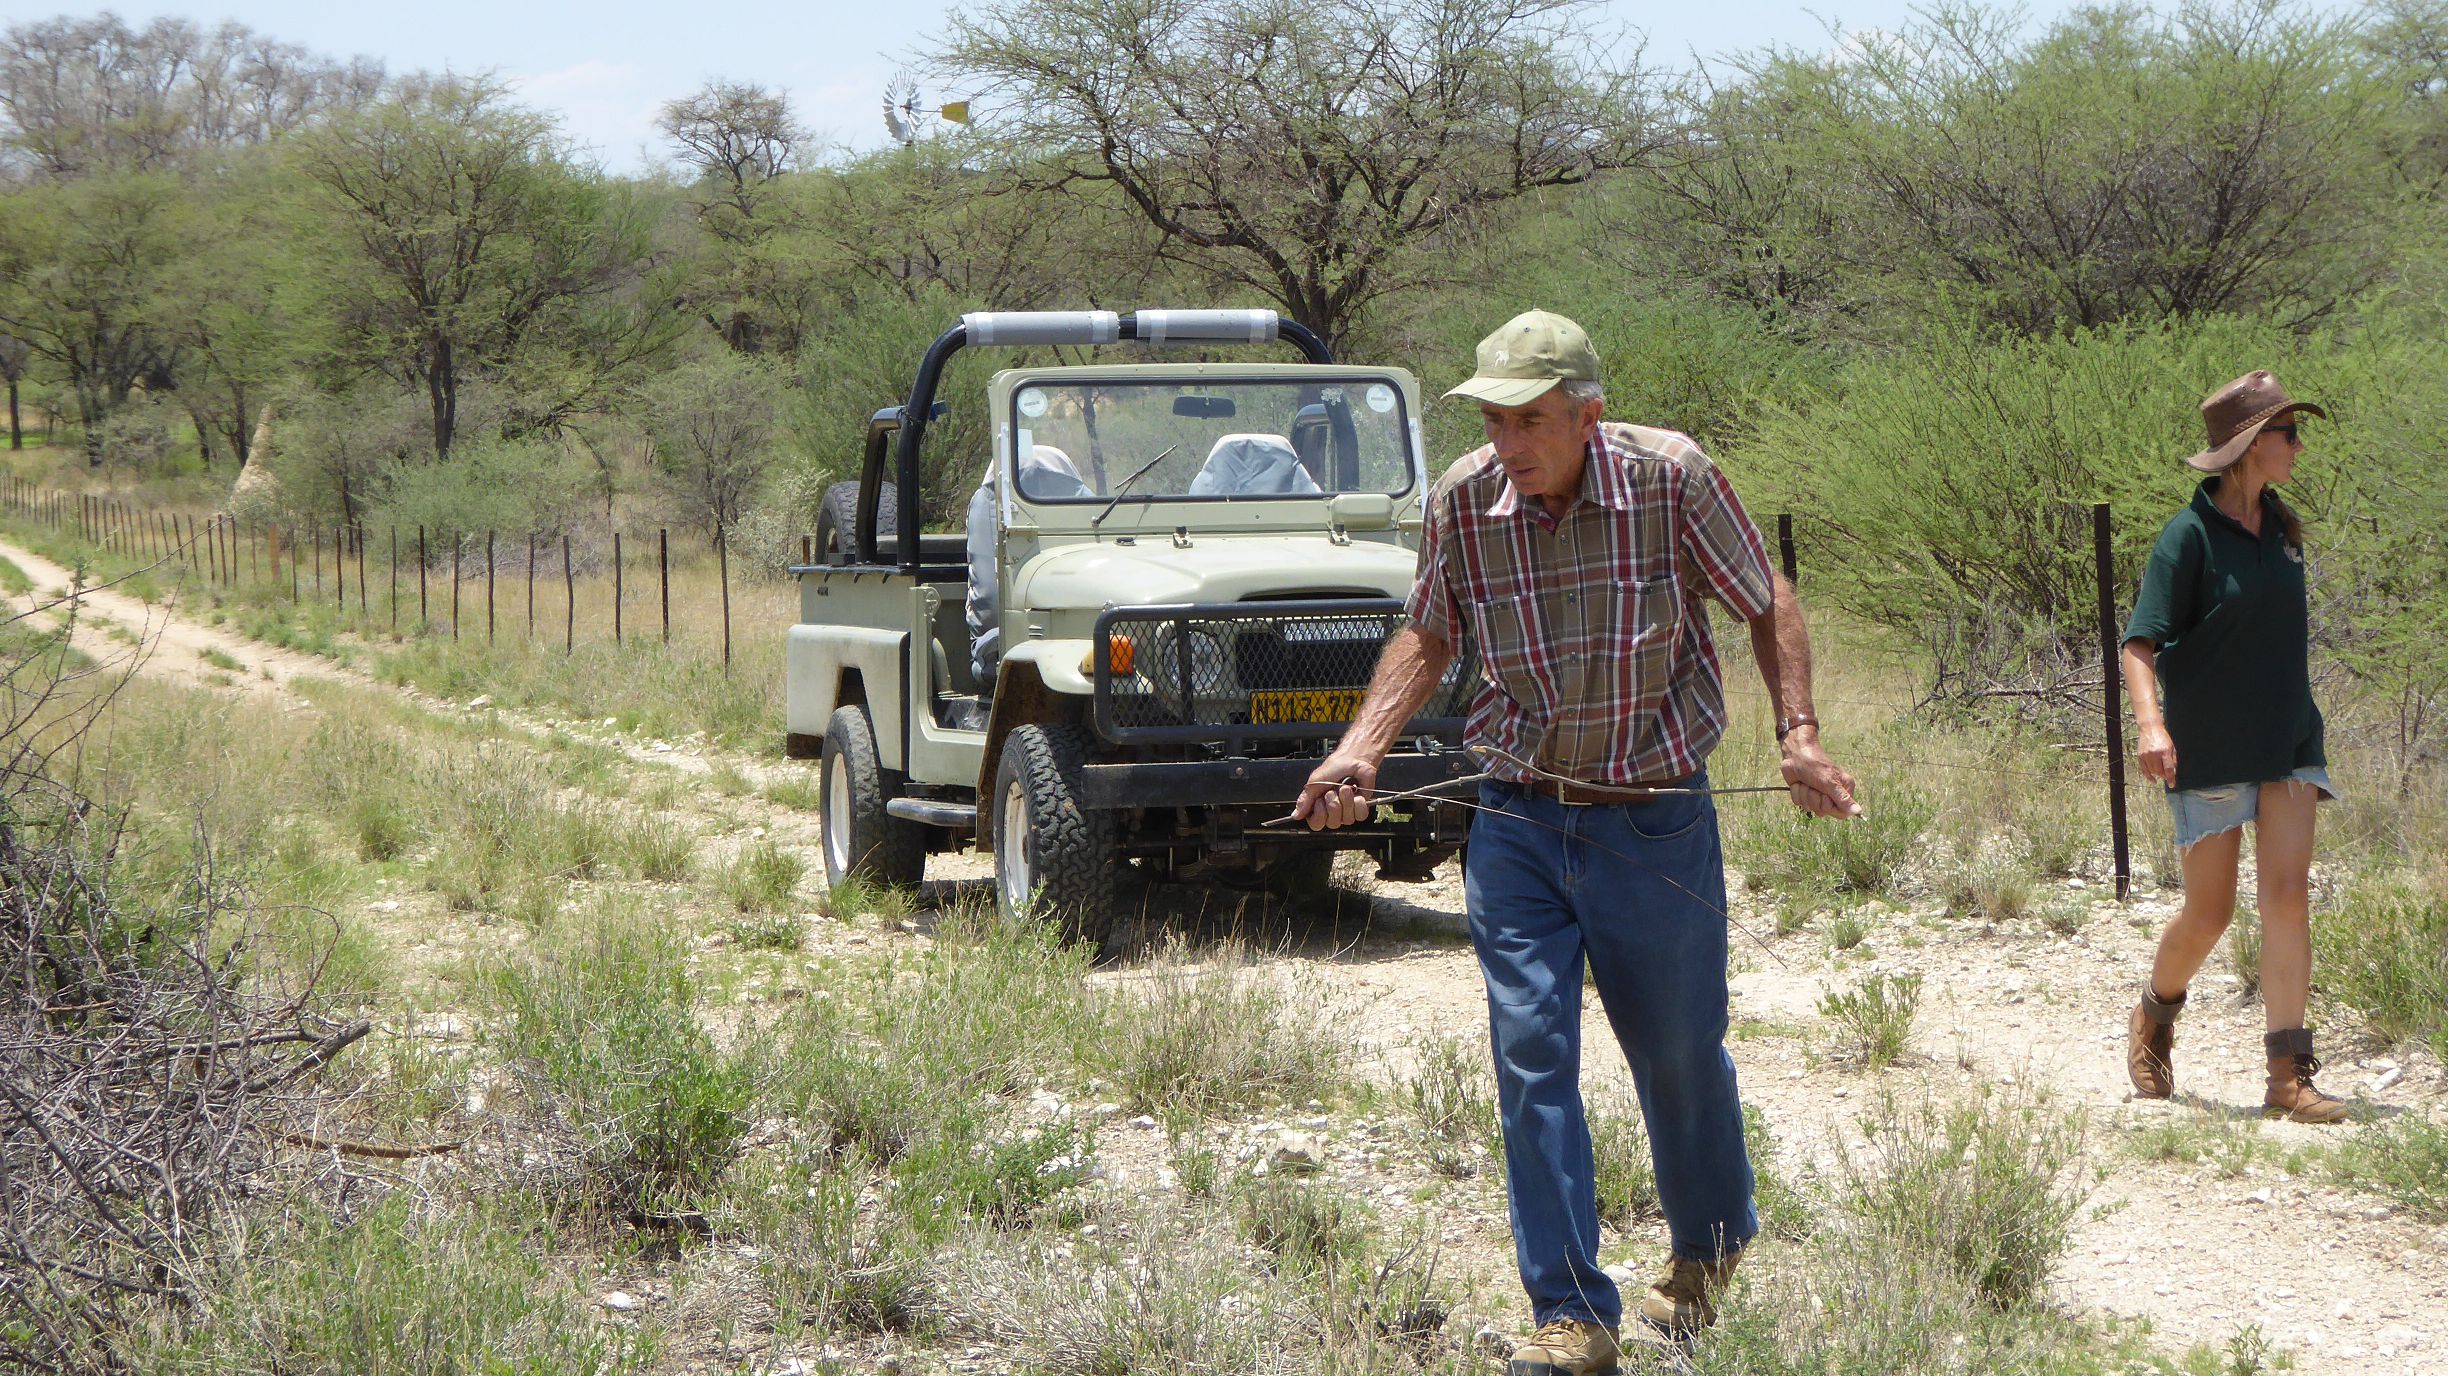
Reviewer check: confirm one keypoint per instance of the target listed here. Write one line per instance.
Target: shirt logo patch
(2292, 552)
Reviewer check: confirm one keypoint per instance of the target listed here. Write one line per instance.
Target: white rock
(2387, 1078)
(1105, 1110)
(481, 700)
(1143, 1121)
(620, 1300)
(2262, 1196)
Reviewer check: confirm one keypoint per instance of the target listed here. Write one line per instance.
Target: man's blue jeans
(1639, 891)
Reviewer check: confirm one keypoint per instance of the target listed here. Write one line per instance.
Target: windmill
(905, 116)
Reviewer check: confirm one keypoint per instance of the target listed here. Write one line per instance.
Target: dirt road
(2343, 1282)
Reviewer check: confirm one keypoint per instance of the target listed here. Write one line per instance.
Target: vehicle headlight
(1211, 676)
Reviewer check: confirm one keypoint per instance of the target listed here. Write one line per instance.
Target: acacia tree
(1298, 149)
(455, 238)
(79, 264)
(2115, 166)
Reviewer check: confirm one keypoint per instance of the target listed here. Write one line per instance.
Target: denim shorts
(2205, 812)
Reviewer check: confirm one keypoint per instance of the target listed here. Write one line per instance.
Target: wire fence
(403, 580)
(428, 579)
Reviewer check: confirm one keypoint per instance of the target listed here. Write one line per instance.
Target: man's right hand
(1340, 792)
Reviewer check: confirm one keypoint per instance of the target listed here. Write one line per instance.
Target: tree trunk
(442, 386)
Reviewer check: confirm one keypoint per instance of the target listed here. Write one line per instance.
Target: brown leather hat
(2235, 414)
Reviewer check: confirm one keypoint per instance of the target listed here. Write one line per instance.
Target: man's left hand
(1818, 785)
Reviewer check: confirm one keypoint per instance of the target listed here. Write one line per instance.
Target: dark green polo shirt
(2229, 614)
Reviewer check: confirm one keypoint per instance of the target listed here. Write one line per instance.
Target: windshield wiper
(1135, 475)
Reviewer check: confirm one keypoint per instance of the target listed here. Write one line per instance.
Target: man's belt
(1577, 794)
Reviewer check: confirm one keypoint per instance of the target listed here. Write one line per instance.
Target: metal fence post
(663, 572)
(2111, 699)
(488, 587)
(569, 593)
(616, 587)
(722, 560)
(457, 541)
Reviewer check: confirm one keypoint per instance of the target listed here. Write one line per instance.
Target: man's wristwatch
(1785, 725)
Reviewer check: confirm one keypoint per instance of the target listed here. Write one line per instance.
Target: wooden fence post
(456, 542)
(424, 620)
(1785, 548)
(663, 571)
(395, 582)
(357, 535)
(531, 585)
(488, 587)
(2111, 700)
(616, 588)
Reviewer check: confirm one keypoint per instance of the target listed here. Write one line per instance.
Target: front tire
(1053, 856)
(861, 840)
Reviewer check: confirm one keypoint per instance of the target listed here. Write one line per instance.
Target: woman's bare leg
(2282, 852)
(2209, 903)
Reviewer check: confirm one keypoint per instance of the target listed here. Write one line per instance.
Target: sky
(606, 67)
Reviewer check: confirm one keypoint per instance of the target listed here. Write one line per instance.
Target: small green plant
(2227, 1144)
(599, 1027)
(1451, 1094)
(2406, 1160)
(766, 929)
(2383, 955)
(659, 850)
(799, 791)
(222, 660)
(830, 1260)
(980, 1173)
(760, 879)
(1845, 931)
(1783, 1211)
(1989, 1186)
(1626, 1180)
(2244, 950)
(1305, 1225)
(726, 779)
(1209, 1035)
(1874, 1021)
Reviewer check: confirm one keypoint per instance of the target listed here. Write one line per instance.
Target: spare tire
(837, 521)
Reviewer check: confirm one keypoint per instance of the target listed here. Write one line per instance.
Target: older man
(1575, 554)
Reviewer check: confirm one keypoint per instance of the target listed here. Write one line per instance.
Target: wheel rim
(836, 816)
(1013, 872)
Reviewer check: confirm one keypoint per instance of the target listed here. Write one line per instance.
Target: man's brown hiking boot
(1568, 1347)
(1683, 1299)
(2291, 1093)
(2150, 1044)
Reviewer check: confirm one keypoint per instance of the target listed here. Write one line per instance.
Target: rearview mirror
(1205, 408)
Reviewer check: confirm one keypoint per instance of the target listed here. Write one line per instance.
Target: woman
(2222, 625)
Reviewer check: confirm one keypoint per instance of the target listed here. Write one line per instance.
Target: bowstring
(1430, 792)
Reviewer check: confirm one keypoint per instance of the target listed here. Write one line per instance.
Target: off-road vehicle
(1175, 585)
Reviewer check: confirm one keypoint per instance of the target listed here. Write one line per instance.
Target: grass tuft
(1874, 1021)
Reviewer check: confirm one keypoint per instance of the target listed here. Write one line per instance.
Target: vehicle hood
(1213, 569)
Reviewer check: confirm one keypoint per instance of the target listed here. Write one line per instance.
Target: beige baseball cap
(1527, 355)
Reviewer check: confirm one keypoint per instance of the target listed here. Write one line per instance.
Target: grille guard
(1196, 668)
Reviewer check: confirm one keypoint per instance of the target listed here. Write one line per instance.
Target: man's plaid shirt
(1596, 651)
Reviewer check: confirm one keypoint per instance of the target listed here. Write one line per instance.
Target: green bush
(2385, 954)
(1626, 1180)
(401, 1289)
(509, 488)
(2406, 1160)
(760, 879)
(1989, 1187)
(1217, 1036)
(598, 1025)
(1785, 849)
(1873, 1022)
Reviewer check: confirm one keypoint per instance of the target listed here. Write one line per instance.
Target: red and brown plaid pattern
(1597, 652)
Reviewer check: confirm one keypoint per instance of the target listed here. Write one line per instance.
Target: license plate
(1304, 704)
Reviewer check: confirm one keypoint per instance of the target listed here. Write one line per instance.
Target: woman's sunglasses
(2286, 430)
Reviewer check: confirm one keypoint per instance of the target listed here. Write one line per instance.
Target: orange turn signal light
(1119, 650)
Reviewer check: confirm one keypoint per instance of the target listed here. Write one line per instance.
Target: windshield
(1209, 438)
